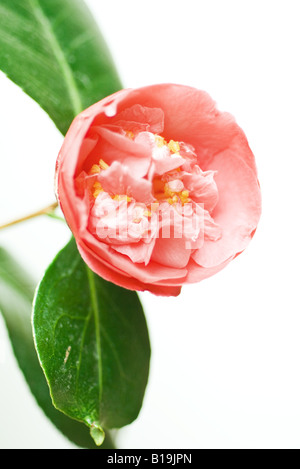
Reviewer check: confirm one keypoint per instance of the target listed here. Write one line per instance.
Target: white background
(225, 369)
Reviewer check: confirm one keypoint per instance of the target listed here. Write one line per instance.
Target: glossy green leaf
(54, 50)
(16, 295)
(93, 344)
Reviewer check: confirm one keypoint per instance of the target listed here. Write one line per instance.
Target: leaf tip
(97, 433)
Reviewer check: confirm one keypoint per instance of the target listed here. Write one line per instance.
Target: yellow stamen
(103, 165)
(167, 191)
(97, 189)
(95, 169)
(173, 146)
(129, 134)
(160, 141)
(122, 197)
(184, 197)
(173, 200)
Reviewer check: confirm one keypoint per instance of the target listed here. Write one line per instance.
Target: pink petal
(140, 252)
(140, 118)
(192, 116)
(171, 252)
(162, 160)
(118, 180)
(99, 253)
(237, 212)
(197, 273)
(114, 146)
(109, 273)
(202, 187)
(164, 290)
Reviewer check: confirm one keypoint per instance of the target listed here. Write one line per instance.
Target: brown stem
(43, 211)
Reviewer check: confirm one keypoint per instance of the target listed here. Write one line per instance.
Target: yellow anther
(173, 146)
(184, 197)
(147, 213)
(103, 165)
(97, 192)
(95, 169)
(121, 197)
(173, 200)
(167, 191)
(160, 141)
(129, 134)
(97, 189)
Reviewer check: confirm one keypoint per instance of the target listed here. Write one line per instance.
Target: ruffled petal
(140, 252)
(100, 253)
(182, 114)
(115, 146)
(161, 159)
(202, 187)
(139, 118)
(118, 180)
(190, 116)
(237, 212)
(109, 273)
(171, 252)
(197, 273)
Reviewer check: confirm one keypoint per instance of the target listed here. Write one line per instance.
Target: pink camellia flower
(158, 187)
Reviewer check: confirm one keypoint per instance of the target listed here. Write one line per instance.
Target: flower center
(166, 188)
(173, 146)
(97, 188)
(174, 198)
(172, 192)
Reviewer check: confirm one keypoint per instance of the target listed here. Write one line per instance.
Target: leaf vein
(59, 55)
(95, 309)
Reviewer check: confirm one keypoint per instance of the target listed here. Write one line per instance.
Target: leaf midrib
(59, 55)
(95, 309)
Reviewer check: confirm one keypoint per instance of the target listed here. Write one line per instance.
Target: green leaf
(93, 344)
(16, 295)
(54, 50)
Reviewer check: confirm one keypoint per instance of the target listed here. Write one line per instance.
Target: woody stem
(44, 211)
